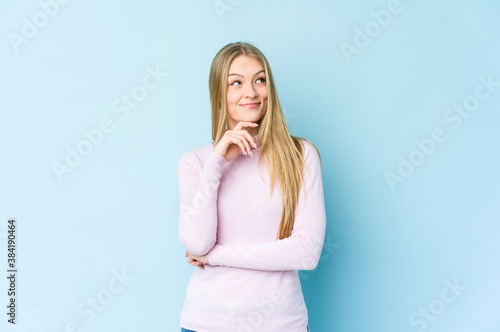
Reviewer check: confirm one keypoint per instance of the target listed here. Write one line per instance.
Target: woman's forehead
(244, 66)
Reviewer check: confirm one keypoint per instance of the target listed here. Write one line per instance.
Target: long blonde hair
(281, 151)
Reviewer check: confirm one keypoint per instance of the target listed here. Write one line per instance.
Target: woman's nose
(250, 91)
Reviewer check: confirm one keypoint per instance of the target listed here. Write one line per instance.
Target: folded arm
(198, 201)
(301, 250)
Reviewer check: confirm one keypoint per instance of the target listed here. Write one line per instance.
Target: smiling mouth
(250, 105)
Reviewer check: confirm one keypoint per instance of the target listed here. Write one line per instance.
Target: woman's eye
(262, 79)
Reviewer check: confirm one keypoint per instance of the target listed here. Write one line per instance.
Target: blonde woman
(247, 236)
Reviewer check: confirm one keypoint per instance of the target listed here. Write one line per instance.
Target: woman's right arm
(198, 201)
(198, 189)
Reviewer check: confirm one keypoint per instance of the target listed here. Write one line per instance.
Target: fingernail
(251, 153)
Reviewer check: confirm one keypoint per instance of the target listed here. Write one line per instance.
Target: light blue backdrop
(100, 98)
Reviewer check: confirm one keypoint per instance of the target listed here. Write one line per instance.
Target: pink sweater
(252, 281)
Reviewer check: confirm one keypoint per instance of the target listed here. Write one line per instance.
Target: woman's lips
(250, 105)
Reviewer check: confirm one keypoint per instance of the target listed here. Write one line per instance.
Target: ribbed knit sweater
(251, 282)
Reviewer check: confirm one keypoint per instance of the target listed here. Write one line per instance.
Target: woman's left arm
(301, 250)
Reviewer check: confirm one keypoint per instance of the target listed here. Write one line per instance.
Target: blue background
(391, 251)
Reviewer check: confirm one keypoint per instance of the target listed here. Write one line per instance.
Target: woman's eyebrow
(236, 74)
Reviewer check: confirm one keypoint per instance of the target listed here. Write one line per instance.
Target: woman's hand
(236, 141)
(199, 261)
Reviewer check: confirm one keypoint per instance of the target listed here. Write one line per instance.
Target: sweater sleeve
(198, 201)
(301, 250)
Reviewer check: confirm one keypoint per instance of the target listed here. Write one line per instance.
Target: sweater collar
(256, 141)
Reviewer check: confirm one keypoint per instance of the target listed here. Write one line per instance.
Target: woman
(249, 240)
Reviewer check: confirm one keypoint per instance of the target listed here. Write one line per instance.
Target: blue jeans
(184, 330)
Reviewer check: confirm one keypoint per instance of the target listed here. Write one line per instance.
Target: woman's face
(246, 91)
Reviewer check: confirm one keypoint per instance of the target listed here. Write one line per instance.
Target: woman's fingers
(244, 137)
(238, 137)
(240, 140)
(242, 124)
(235, 140)
(250, 138)
(239, 128)
(194, 262)
(191, 260)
